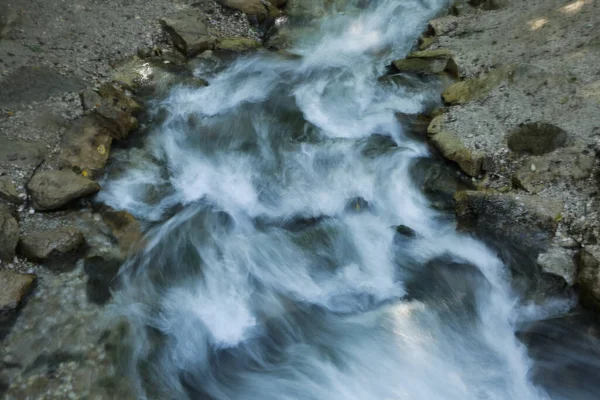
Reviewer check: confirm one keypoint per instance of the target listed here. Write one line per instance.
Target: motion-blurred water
(274, 270)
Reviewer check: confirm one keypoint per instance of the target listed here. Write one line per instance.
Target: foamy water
(275, 270)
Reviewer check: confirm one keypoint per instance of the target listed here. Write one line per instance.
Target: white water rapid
(274, 269)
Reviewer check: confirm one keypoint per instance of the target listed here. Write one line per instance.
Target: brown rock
(9, 235)
(475, 88)
(118, 122)
(429, 62)
(51, 245)
(261, 9)
(238, 44)
(452, 149)
(117, 98)
(86, 146)
(51, 190)
(125, 228)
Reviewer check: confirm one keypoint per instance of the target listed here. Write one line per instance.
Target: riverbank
(527, 112)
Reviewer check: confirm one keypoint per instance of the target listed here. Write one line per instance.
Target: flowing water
(274, 269)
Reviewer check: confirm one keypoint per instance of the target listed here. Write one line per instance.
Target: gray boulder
(51, 245)
(588, 279)
(51, 190)
(569, 164)
(189, 32)
(559, 262)
(15, 287)
(527, 221)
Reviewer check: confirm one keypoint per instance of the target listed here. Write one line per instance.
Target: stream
(290, 252)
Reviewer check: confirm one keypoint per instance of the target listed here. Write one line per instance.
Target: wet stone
(8, 191)
(15, 287)
(56, 244)
(9, 234)
(51, 190)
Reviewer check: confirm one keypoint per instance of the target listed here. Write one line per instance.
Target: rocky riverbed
(520, 121)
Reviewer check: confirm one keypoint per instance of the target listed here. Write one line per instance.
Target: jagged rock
(444, 25)
(125, 229)
(406, 231)
(238, 44)
(86, 146)
(430, 62)
(436, 125)
(452, 149)
(558, 261)
(439, 182)
(119, 123)
(188, 31)
(536, 138)
(51, 190)
(8, 191)
(475, 88)
(90, 99)
(357, 204)
(54, 244)
(15, 287)
(527, 221)
(425, 42)
(9, 234)
(588, 279)
(14, 152)
(569, 164)
(117, 98)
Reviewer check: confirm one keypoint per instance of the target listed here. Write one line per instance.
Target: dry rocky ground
(523, 123)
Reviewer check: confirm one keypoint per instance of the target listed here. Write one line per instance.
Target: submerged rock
(15, 287)
(558, 261)
(475, 88)
(51, 190)
(357, 204)
(439, 182)
(115, 97)
(529, 222)
(8, 191)
(9, 235)
(86, 146)
(536, 138)
(54, 244)
(570, 164)
(188, 31)
(452, 149)
(124, 228)
(406, 231)
(431, 62)
(588, 279)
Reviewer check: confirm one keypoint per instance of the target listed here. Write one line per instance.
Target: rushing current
(273, 268)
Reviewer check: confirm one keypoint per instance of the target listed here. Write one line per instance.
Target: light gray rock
(558, 261)
(8, 191)
(51, 190)
(15, 287)
(569, 164)
(189, 32)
